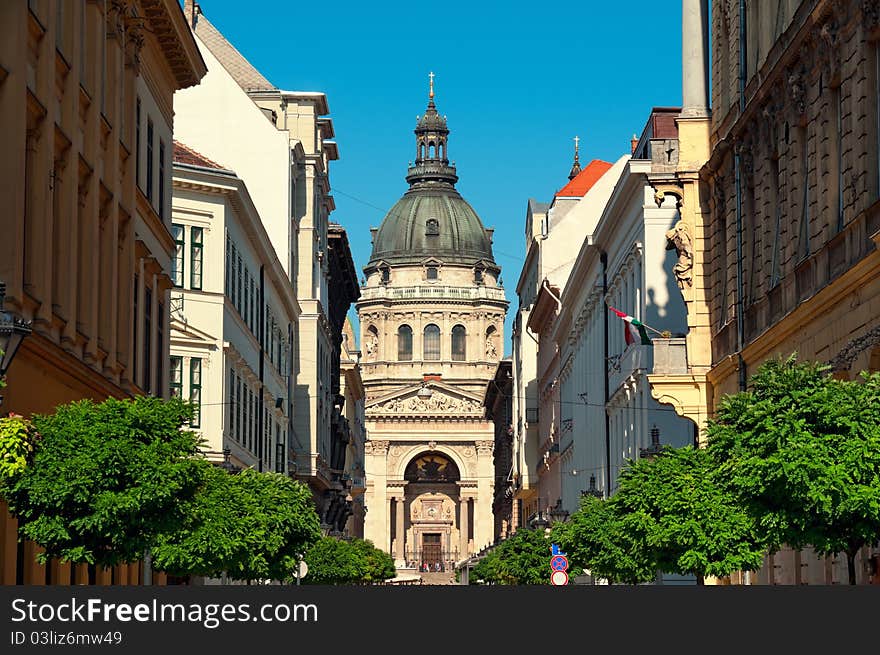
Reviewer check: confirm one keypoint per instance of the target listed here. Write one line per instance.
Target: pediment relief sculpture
(438, 403)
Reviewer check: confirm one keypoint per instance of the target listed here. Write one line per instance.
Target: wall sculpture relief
(437, 403)
(679, 239)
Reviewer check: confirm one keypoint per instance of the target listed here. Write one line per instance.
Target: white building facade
(281, 144)
(607, 410)
(233, 314)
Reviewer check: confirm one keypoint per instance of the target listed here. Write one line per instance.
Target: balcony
(432, 292)
(670, 356)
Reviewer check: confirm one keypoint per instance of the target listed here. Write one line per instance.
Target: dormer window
(431, 273)
(385, 274)
(478, 274)
(432, 227)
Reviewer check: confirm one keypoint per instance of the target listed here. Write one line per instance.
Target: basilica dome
(431, 219)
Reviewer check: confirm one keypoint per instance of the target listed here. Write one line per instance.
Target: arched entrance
(433, 499)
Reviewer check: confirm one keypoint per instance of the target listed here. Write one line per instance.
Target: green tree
(106, 479)
(802, 452)
(682, 518)
(333, 561)
(599, 538)
(379, 564)
(250, 526)
(521, 559)
(18, 440)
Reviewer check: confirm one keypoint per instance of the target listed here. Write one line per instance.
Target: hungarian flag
(634, 330)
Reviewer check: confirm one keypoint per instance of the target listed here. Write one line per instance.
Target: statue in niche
(491, 353)
(372, 346)
(679, 239)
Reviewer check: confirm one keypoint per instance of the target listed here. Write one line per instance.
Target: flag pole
(643, 324)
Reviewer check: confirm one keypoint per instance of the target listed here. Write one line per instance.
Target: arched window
(432, 342)
(404, 343)
(459, 343)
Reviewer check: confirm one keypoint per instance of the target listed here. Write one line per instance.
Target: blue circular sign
(559, 563)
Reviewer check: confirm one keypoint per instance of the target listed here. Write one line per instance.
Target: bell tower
(432, 157)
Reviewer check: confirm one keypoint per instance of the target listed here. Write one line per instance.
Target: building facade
(498, 402)
(86, 112)
(351, 388)
(793, 190)
(281, 144)
(554, 235)
(607, 415)
(232, 318)
(431, 316)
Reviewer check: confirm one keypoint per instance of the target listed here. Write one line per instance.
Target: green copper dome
(431, 222)
(431, 219)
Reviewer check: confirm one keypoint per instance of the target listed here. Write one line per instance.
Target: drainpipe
(740, 319)
(603, 257)
(261, 429)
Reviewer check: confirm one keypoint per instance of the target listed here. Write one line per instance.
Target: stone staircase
(438, 578)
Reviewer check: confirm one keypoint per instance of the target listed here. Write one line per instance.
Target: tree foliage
(597, 538)
(333, 561)
(679, 517)
(379, 564)
(521, 559)
(802, 452)
(252, 526)
(18, 440)
(106, 479)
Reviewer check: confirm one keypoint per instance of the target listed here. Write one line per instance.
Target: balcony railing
(431, 561)
(432, 292)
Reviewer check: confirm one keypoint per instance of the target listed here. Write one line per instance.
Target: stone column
(399, 530)
(695, 57)
(463, 527)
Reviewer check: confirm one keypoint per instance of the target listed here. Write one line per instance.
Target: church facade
(431, 316)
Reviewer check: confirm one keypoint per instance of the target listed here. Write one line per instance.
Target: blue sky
(517, 82)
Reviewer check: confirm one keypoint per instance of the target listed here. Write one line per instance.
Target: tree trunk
(851, 564)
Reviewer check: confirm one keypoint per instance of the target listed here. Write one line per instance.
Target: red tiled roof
(186, 155)
(584, 180)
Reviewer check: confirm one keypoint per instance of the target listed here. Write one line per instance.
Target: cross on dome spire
(576, 166)
(431, 92)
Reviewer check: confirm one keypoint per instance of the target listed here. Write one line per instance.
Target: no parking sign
(558, 566)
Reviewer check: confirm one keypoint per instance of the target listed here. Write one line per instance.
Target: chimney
(633, 144)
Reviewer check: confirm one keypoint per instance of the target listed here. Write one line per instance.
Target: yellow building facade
(86, 123)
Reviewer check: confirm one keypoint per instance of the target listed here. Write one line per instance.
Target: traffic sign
(559, 578)
(559, 563)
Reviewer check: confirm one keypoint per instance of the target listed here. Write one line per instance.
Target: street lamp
(12, 331)
(655, 448)
(592, 491)
(557, 514)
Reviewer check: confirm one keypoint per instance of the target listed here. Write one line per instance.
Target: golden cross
(431, 75)
(576, 141)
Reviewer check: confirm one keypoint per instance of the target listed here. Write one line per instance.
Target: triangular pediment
(181, 330)
(444, 399)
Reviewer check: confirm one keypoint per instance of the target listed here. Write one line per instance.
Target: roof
(585, 180)
(241, 70)
(183, 154)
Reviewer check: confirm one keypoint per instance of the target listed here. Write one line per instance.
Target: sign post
(558, 567)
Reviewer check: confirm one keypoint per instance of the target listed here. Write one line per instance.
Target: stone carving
(437, 404)
(798, 92)
(491, 353)
(827, 40)
(432, 444)
(468, 451)
(485, 447)
(376, 447)
(372, 346)
(679, 238)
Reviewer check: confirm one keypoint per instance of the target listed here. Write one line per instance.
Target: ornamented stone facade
(793, 191)
(431, 316)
